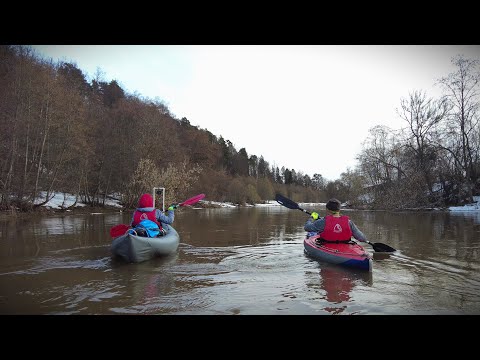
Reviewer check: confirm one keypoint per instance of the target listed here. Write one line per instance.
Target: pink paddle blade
(192, 200)
(118, 230)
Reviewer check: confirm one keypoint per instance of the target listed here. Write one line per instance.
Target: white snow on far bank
(267, 203)
(227, 204)
(475, 206)
(63, 200)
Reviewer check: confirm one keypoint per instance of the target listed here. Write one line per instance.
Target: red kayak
(345, 254)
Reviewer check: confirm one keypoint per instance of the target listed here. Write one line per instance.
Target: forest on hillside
(60, 132)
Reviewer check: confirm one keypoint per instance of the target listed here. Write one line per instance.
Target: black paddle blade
(282, 200)
(382, 247)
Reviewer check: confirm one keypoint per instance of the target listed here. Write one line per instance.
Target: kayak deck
(345, 254)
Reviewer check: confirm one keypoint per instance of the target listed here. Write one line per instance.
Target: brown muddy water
(240, 261)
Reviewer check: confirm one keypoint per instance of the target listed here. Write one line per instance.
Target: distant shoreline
(47, 211)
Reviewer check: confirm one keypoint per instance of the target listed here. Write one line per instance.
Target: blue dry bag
(150, 228)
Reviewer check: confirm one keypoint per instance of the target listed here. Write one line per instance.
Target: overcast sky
(308, 108)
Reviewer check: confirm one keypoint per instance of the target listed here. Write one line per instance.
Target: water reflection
(147, 286)
(237, 226)
(473, 215)
(336, 286)
(36, 235)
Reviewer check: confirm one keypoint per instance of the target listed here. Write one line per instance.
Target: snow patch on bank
(64, 200)
(475, 206)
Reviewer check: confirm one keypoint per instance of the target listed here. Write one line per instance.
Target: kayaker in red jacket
(146, 210)
(334, 227)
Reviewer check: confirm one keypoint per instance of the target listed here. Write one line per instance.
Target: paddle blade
(192, 200)
(118, 230)
(382, 247)
(282, 200)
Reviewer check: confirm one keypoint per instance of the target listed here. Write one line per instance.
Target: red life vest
(144, 215)
(336, 228)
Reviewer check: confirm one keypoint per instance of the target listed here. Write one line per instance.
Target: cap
(333, 205)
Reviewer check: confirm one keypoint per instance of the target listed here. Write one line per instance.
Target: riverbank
(66, 204)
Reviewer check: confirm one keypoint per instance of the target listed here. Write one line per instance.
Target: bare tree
(380, 159)
(353, 186)
(423, 115)
(462, 93)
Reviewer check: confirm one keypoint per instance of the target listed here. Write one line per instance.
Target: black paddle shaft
(282, 200)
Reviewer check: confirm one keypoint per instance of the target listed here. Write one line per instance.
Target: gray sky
(307, 108)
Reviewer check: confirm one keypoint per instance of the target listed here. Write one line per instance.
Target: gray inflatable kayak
(133, 248)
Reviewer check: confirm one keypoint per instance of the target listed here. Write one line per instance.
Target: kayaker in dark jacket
(334, 227)
(146, 210)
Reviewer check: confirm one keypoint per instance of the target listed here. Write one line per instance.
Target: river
(240, 261)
